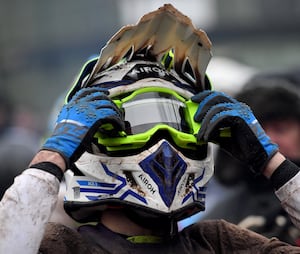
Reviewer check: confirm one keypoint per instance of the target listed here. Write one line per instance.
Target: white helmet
(156, 168)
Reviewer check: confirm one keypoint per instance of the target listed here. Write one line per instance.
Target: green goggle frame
(136, 141)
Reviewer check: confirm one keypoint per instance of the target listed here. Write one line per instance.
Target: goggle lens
(147, 112)
(149, 109)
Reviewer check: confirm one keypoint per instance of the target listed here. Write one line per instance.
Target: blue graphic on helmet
(108, 188)
(199, 192)
(166, 168)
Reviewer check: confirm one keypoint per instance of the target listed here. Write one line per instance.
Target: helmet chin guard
(160, 181)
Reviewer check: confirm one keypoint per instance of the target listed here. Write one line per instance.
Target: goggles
(150, 110)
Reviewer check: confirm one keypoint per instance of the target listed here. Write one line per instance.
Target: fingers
(216, 110)
(111, 125)
(109, 105)
(90, 94)
(89, 91)
(224, 115)
(207, 100)
(200, 96)
(92, 107)
(97, 98)
(215, 118)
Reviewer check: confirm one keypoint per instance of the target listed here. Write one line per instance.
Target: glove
(88, 111)
(247, 141)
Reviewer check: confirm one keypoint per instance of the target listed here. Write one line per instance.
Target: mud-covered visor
(150, 110)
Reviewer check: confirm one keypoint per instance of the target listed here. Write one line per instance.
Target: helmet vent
(129, 53)
(166, 168)
(188, 71)
(144, 52)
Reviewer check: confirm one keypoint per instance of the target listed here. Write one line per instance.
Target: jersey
(29, 202)
(213, 236)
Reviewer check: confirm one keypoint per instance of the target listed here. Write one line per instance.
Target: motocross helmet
(156, 168)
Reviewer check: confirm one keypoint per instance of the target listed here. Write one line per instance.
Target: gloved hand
(89, 110)
(247, 141)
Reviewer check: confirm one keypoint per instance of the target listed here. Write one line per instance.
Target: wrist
(49, 156)
(273, 164)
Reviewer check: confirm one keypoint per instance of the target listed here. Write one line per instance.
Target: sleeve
(25, 209)
(289, 196)
(225, 237)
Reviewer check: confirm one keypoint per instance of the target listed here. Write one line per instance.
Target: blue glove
(247, 141)
(88, 111)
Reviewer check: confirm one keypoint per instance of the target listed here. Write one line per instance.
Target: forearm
(27, 205)
(285, 179)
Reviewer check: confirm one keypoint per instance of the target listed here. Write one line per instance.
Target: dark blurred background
(43, 44)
